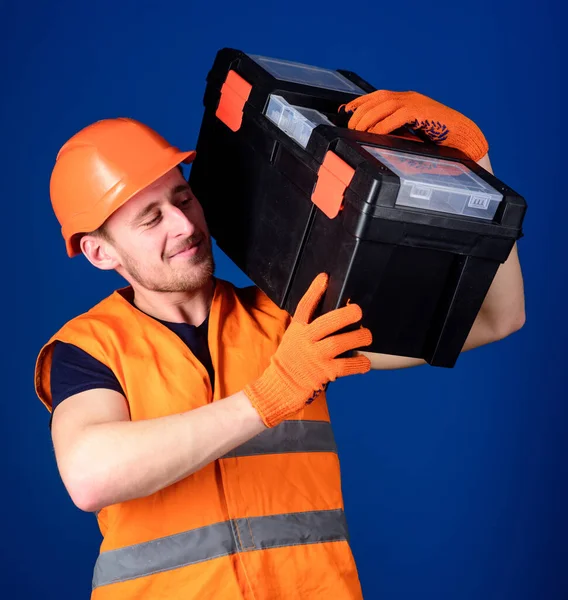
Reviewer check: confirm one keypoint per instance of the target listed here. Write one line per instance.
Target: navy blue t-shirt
(73, 370)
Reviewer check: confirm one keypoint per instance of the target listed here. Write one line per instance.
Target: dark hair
(100, 232)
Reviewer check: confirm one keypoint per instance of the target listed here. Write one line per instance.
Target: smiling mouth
(188, 249)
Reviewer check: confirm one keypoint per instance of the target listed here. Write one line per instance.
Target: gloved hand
(383, 111)
(305, 359)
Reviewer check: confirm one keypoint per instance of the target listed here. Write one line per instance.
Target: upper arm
(84, 392)
(72, 418)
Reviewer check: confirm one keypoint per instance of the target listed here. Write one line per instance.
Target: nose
(178, 223)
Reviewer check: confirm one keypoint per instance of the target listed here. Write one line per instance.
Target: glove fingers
(311, 299)
(370, 114)
(371, 99)
(335, 320)
(343, 342)
(352, 366)
(392, 122)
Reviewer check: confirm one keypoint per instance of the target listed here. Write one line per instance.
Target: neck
(176, 307)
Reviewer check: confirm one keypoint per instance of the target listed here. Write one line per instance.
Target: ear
(99, 252)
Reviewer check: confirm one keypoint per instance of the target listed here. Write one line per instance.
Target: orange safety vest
(265, 521)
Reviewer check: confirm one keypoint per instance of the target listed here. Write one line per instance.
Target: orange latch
(234, 94)
(334, 176)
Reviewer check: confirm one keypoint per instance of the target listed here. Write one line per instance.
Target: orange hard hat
(102, 167)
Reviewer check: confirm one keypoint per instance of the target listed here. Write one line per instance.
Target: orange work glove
(305, 359)
(383, 111)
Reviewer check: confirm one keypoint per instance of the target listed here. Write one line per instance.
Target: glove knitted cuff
(275, 397)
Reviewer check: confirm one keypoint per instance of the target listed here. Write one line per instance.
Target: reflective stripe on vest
(219, 539)
(288, 437)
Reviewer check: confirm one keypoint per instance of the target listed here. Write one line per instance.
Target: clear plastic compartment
(296, 121)
(439, 185)
(285, 70)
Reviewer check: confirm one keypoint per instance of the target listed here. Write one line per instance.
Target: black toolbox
(412, 232)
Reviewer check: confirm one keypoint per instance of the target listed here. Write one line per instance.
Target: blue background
(454, 480)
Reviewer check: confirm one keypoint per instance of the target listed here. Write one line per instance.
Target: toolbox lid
(296, 121)
(437, 184)
(285, 70)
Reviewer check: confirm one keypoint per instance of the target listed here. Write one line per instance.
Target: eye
(153, 221)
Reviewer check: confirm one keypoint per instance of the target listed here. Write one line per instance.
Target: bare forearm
(119, 461)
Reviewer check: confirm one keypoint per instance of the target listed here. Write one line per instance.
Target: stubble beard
(188, 280)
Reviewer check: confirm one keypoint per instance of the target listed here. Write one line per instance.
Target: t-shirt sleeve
(73, 370)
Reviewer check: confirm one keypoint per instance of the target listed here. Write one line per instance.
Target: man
(190, 415)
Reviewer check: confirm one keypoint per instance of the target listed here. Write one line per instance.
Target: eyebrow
(148, 209)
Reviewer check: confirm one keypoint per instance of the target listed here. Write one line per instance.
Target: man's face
(161, 239)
